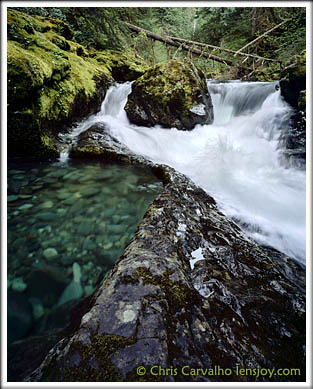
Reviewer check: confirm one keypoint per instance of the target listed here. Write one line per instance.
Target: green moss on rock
(54, 80)
(95, 359)
(165, 95)
(125, 66)
(178, 295)
(173, 78)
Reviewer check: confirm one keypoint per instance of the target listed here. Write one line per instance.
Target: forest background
(224, 27)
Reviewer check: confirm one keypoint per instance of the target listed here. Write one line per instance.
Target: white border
(4, 6)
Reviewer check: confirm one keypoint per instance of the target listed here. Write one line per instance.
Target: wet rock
(173, 94)
(47, 205)
(293, 89)
(89, 191)
(126, 66)
(85, 228)
(50, 253)
(294, 80)
(46, 216)
(240, 304)
(25, 206)
(18, 285)
(12, 198)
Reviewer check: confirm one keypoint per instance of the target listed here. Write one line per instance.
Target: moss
(268, 73)
(165, 95)
(96, 152)
(100, 351)
(124, 66)
(48, 143)
(177, 294)
(300, 69)
(87, 152)
(170, 81)
(46, 74)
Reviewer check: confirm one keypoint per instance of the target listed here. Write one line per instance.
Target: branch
(222, 48)
(171, 42)
(261, 36)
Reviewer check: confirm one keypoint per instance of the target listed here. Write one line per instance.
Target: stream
(69, 221)
(239, 159)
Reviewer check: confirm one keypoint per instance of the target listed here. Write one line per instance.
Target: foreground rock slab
(190, 291)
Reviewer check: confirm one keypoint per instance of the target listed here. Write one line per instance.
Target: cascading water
(112, 106)
(236, 159)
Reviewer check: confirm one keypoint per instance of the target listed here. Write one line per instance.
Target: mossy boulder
(173, 94)
(124, 66)
(53, 81)
(265, 74)
(294, 80)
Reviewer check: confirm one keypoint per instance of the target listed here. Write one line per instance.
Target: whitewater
(238, 159)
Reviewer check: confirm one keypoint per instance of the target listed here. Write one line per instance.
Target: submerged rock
(173, 94)
(190, 291)
(74, 290)
(50, 253)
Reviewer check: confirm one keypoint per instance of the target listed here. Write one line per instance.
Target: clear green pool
(58, 215)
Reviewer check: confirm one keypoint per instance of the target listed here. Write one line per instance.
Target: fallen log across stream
(183, 46)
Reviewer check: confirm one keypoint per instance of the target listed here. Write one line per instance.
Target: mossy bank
(54, 81)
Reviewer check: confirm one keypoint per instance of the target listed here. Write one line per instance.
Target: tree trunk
(185, 47)
(261, 36)
(188, 42)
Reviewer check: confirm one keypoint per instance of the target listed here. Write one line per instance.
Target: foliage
(228, 27)
(97, 27)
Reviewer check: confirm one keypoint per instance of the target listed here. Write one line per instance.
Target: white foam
(236, 159)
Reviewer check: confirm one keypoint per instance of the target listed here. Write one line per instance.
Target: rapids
(238, 159)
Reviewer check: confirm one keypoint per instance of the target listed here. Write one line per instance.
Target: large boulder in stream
(173, 94)
(54, 82)
(190, 291)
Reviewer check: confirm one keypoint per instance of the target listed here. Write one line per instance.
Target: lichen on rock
(241, 304)
(173, 94)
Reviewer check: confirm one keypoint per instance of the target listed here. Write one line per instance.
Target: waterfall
(237, 159)
(112, 107)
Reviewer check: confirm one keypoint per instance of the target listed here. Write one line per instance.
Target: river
(238, 159)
